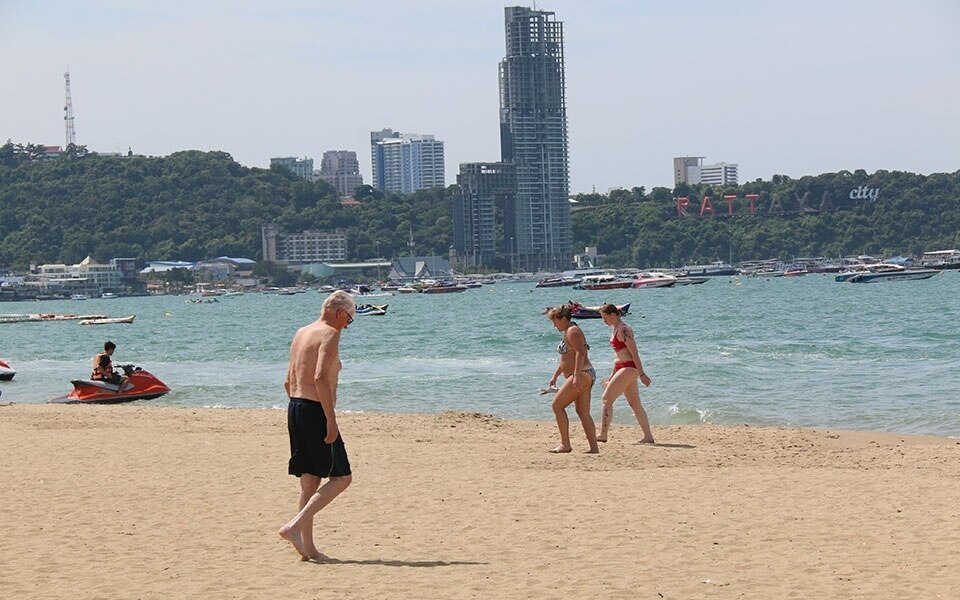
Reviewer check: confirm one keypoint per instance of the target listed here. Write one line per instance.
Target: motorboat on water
(6, 371)
(941, 259)
(714, 269)
(603, 282)
(108, 296)
(108, 320)
(883, 272)
(371, 309)
(140, 385)
(79, 297)
(444, 287)
(653, 279)
(563, 281)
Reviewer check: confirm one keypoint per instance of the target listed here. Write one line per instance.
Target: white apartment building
(406, 162)
(87, 277)
(718, 174)
(313, 247)
(303, 248)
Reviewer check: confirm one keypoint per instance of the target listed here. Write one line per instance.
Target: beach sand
(138, 501)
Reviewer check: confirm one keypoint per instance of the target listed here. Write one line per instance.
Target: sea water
(799, 351)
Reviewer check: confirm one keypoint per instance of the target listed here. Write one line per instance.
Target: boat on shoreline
(140, 385)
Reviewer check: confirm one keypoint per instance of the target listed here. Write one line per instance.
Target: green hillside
(190, 205)
(193, 205)
(834, 214)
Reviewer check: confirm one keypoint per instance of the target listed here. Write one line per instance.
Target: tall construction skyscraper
(533, 137)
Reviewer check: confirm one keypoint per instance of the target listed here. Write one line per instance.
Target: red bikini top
(615, 343)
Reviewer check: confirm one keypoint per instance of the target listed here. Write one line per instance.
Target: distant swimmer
(579, 375)
(316, 447)
(627, 369)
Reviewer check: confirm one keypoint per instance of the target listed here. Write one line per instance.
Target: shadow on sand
(659, 445)
(397, 563)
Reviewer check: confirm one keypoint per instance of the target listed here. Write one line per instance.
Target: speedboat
(140, 385)
(371, 309)
(653, 279)
(6, 371)
(557, 282)
(602, 282)
(884, 272)
(444, 287)
(714, 269)
(688, 280)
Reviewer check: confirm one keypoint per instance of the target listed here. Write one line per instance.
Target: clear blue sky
(790, 87)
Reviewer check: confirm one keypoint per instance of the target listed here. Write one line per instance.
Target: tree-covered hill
(190, 205)
(193, 205)
(834, 214)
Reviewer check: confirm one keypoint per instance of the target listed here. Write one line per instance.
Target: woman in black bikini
(627, 369)
(579, 376)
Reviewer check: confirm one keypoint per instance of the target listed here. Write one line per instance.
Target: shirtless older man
(316, 448)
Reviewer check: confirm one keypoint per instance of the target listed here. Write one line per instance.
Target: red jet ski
(141, 385)
(6, 371)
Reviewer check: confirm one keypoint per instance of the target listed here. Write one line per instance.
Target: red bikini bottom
(623, 364)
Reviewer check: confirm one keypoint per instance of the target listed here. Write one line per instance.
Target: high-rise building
(341, 169)
(533, 137)
(301, 167)
(405, 162)
(483, 187)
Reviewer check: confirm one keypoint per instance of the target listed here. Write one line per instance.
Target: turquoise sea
(803, 351)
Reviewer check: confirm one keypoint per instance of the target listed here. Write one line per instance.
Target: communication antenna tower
(68, 113)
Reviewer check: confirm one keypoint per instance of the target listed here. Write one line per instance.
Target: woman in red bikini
(627, 368)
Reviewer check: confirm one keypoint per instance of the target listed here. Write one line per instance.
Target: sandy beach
(140, 501)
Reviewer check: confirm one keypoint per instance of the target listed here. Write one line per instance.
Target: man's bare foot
(561, 450)
(602, 439)
(293, 536)
(316, 555)
(644, 441)
(594, 451)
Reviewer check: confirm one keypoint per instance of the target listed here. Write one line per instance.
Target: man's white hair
(340, 299)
